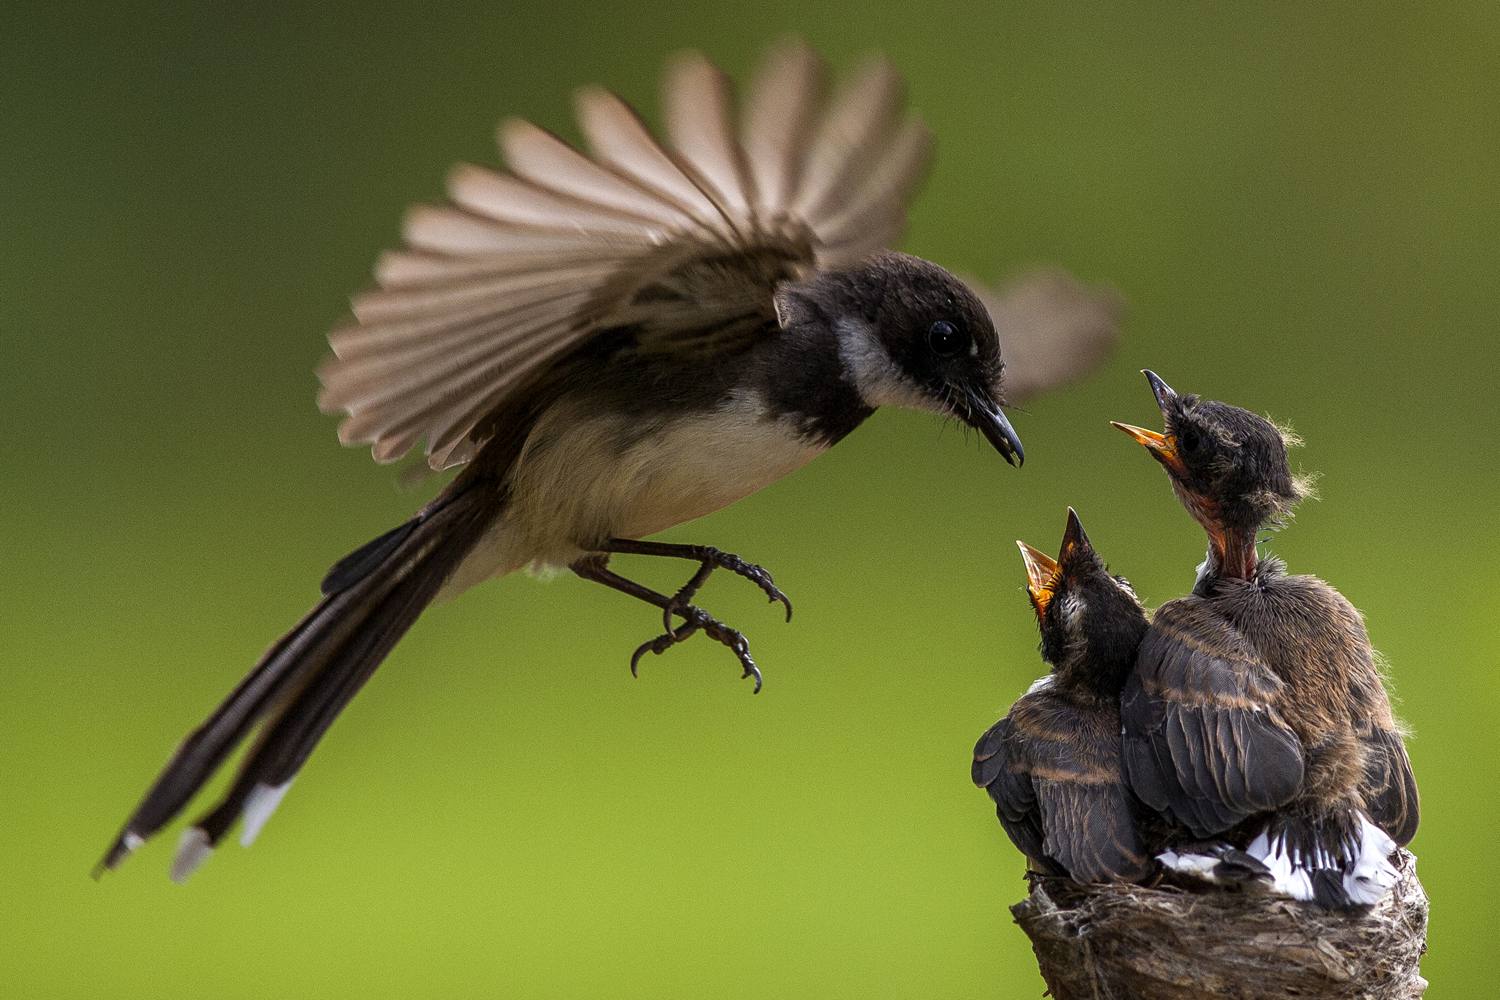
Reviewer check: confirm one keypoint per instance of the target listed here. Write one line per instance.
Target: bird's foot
(708, 559)
(757, 575)
(698, 620)
(711, 559)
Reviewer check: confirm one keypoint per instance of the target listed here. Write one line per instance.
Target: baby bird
(1053, 764)
(1255, 711)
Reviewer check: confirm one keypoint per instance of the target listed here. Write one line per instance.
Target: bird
(1052, 765)
(610, 341)
(1255, 710)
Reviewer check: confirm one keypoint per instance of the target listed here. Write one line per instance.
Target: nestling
(1255, 710)
(1052, 765)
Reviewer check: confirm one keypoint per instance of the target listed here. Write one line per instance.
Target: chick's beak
(1074, 538)
(987, 418)
(1163, 392)
(1041, 574)
(1158, 444)
(1161, 447)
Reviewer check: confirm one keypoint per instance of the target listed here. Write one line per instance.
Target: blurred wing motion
(1053, 329)
(1058, 787)
(525, 264)
(1203, 741)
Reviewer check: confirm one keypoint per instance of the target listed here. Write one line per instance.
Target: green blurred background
(1300, 205)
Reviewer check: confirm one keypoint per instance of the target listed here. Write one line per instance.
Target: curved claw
(757, 575)
(779, 596)
(699, 620)
(635, 658)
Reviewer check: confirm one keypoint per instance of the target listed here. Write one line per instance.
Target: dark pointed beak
(1074, 539)
(988, 419)
(1163, 392)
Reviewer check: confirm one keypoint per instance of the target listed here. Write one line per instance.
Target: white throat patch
(876, 377)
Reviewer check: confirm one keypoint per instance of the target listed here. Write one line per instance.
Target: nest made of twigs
(1113, 942)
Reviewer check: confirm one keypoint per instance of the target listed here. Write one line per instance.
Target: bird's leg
(594, 567)
(709, 559)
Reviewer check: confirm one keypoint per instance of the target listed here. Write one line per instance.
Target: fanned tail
(292, 696)
(1340, 860)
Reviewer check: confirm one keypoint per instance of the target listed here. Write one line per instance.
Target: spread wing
(524, 264)
(1058, 786)
(1054, 329)
(1203, 741)
(1389, 787)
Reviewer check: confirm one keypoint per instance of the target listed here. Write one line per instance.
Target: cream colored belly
(575, 485)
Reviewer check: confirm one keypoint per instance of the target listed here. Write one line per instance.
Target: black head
(1091, 621)
(911, 334)
(1228, 466)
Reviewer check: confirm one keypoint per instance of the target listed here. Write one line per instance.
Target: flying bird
(1052, 765)
(1255, 711)
(610, 341)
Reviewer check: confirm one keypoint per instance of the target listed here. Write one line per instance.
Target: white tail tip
(1371, 875)
(259, 805)
(192, 850)
(1366, 877)
(1197, 865)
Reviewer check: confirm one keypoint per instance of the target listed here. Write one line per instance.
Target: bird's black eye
(1190, 441)
(946, 339)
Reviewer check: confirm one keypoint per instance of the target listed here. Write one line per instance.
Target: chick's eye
(1190, 441)
(946, 339)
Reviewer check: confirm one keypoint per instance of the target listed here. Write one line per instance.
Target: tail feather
(298, 688)
(1215, 862)
(1338, 861)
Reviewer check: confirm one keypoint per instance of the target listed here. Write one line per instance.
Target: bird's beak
(1158, 444)
(988, 419)
(1163, 392)
(1042, 572)
(1074, 539)
(1161, 447)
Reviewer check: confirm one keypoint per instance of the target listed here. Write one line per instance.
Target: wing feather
(542, 158)
(619, 139)
(700, 122)
(353, 344)
(858, 120)
(684, 240)
(999, 771)
(780, 114)
(375, 405)
(1203, 741)
(1053, 769)
(883, 193)
(1389, 787)
(444, 229)
(379, 307)
(1054, 329)
(509, 199)
(401, 269)
(1089, 831)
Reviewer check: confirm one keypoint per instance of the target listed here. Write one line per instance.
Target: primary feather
(526, 264)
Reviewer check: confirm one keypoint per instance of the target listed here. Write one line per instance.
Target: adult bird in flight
(614, 340)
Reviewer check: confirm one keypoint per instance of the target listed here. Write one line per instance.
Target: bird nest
(1111, 942)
